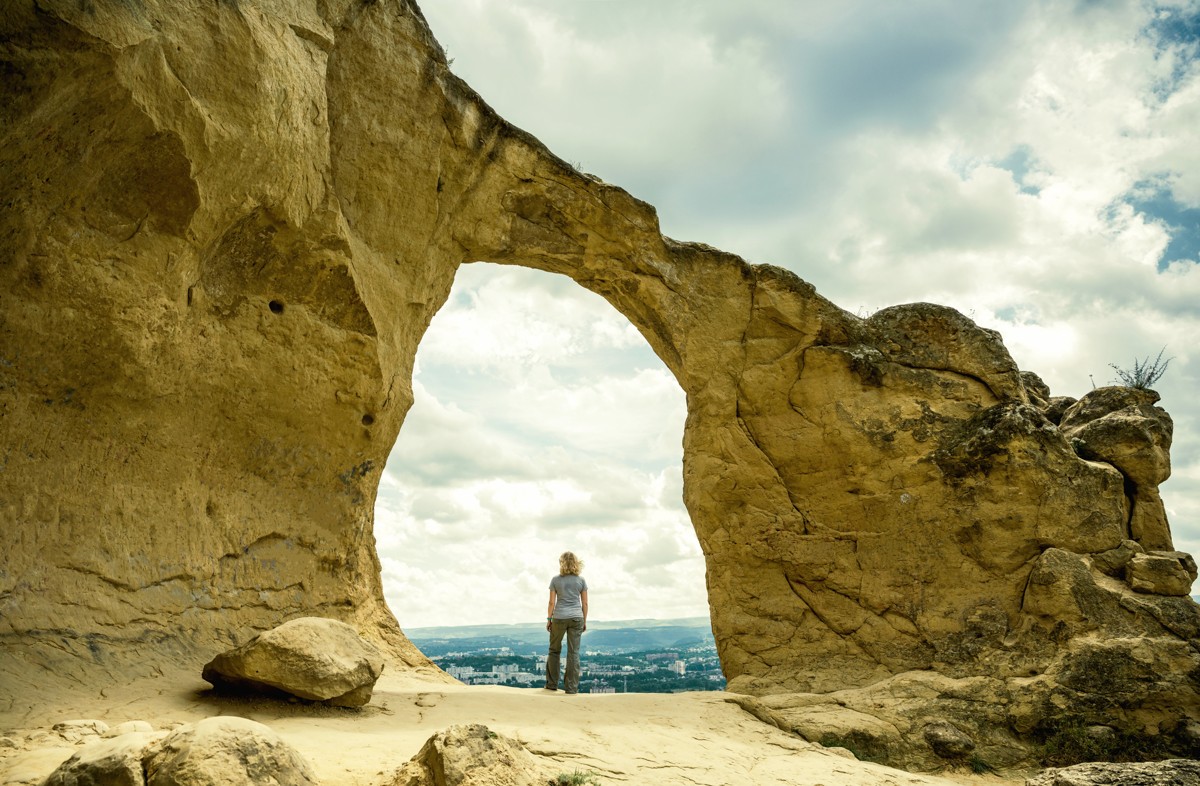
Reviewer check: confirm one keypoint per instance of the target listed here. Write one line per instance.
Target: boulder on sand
(116, 761)
(228, 751)
(472, 755)
(311, 657)
(223, 750)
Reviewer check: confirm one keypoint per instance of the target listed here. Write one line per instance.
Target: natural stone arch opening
(880, 501)
(541, 421)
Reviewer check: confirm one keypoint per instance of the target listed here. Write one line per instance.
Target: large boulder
(225, 751)
(310, 657)
(472, 755)
(1162, 573)
(116, 761)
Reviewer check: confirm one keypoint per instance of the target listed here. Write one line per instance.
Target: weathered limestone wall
(225, 228)
(196, 392)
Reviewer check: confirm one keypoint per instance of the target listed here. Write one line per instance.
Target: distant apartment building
(600, 687)
(679, 667)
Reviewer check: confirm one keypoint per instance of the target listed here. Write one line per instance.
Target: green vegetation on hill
(530, 639)
(618, 657)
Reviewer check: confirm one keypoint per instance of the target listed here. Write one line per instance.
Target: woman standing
(566, 614)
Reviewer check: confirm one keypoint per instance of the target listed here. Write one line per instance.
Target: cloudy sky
(1035, 165)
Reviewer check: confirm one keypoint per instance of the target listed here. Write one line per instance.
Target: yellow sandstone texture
(224, 228)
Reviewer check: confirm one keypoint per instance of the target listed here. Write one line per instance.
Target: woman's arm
(550, 608)
(583, 600)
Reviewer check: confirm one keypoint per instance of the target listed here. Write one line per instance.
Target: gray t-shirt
(567, 605)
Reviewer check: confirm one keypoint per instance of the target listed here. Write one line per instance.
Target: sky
(1035, 165)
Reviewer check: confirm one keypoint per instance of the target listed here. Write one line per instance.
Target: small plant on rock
(576, 778)
(1144, 372)
(1071, 743)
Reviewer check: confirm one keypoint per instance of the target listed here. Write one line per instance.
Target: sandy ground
(686, 739)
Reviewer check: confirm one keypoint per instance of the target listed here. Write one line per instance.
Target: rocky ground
(694, 738)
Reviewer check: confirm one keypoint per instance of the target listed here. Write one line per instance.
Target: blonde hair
(569, 564)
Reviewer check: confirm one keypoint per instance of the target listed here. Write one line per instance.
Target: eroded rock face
(226, 228)
(225, 750)
(109, 762)
(220, 750)
(1121, 426)
(948, 741)
(1176, 772)
(472, 755)
(1162, 573)
(310, 657)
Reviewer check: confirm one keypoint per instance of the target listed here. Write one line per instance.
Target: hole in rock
(275, 306)
(368, 419)
(542, 422)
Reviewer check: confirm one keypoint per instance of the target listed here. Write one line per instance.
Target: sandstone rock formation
(1121, 426)
(225, 750)
(1176, 772)
(116, 761)
(226, 227)
(220, 750)
(472, 755)
(309, 657)
(948, 741)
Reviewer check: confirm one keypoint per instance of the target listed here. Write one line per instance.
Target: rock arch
(226, 227)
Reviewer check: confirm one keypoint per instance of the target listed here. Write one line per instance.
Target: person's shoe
(570, 692)
(548, 689)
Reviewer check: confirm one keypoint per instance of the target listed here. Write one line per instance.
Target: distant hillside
(614, 635)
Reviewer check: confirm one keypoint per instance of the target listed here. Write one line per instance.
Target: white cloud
(559, 430)
(978, 154)
(505, 318)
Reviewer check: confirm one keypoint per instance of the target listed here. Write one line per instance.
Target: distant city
(627, 656)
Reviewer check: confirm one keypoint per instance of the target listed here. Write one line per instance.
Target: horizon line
(537, 624)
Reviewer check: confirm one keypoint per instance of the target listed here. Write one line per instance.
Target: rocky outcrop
(923, 720)
(109, 762)
(213, 293)
(1177, 772)
(948, 741)
(1162, 573)
(224, 750)
(310, 657)
(1121, 426)
(473, 755)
